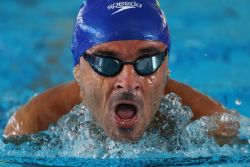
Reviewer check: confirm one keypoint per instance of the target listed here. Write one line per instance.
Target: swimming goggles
(109, 66)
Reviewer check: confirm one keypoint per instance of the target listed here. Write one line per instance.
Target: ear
(168, 73)
(166, 90)
(76, 73)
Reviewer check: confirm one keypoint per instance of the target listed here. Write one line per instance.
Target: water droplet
(78, 134)
(238, 102)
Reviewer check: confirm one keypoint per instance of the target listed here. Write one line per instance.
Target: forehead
(132, 46)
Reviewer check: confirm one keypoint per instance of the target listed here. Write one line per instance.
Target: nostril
(118, 86)
(137, 87)
(121, 86)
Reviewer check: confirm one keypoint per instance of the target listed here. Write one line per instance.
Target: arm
(49, 106)
(44, 109)
(200, 104)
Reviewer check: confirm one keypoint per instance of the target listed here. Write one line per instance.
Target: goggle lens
(109, 66)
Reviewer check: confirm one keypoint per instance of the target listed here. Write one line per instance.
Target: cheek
(156, 83)
(154, 86)
(95, 91)
(90, 86)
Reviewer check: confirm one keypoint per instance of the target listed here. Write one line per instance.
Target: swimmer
(121, 53)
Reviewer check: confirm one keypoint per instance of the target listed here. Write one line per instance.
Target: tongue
(125, 111)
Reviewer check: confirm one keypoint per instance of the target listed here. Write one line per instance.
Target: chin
(126, 134)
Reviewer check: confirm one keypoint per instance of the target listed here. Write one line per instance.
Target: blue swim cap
(101, 21)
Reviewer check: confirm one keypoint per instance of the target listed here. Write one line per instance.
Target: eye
(146, 63)
(110, 65)
(106, 66)
(149, 64)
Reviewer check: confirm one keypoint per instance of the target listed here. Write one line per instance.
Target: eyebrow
(147, 50)
(105, 53)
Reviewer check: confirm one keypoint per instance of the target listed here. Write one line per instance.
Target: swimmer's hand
(226, 129)
(200, 104)
(227, 123)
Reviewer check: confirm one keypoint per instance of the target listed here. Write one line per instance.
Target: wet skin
(123, 105)
(136, 98)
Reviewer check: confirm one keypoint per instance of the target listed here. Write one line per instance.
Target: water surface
(210, 51)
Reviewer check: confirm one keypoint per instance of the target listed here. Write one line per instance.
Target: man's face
(125, 104)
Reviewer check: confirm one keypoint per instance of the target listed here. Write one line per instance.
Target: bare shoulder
(44, 109)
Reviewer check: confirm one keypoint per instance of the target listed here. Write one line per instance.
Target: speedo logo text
(121, 6)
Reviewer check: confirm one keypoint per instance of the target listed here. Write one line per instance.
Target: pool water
(210, 51)
(75, 139)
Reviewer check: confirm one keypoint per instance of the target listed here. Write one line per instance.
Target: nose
(128, 79)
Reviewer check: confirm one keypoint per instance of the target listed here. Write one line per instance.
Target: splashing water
(78, 135)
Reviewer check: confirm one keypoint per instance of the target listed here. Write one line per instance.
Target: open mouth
(125, 111)
(126, 115)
